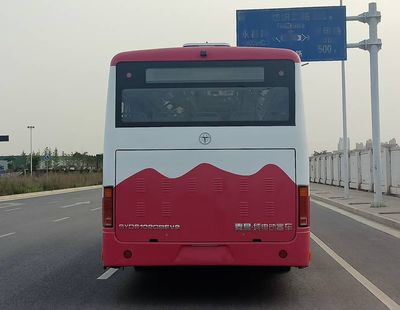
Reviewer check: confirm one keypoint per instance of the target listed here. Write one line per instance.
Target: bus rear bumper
(116, 253)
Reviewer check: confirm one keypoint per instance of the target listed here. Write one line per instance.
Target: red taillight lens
(108, 194)
(304, 206)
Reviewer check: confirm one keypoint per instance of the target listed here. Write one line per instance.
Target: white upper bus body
(240, 150)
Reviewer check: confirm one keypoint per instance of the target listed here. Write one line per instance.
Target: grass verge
(27, 184)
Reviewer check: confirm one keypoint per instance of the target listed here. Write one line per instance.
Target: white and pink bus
(205, 159)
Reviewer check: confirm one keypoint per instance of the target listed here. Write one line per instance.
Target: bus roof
(212, 53)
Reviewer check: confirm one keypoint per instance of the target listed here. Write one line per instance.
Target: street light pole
(30, 131)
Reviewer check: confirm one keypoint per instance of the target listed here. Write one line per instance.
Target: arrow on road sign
(302, 37)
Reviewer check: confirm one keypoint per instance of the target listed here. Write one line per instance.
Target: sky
(55, 57)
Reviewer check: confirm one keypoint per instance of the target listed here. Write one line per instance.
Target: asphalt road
(50, 259)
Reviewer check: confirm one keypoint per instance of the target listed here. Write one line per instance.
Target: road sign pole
(47, 159)
(31, 147)
(373, 45)
(345, 138)
(373, 20)
(30, 130)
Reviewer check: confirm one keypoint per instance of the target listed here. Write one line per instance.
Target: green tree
(10, 162)
(35, 160)
(20, 162)
(55, 159)
(24, 160)
(99, 162)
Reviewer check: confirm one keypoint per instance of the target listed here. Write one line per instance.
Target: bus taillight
(304, 206)
(108, 194)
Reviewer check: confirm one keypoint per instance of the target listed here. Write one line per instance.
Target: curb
(48, 193)
(373, 217)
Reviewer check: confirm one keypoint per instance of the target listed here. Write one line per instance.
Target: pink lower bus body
(207, 254)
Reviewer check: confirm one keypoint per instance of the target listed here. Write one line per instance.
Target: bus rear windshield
(241, 94)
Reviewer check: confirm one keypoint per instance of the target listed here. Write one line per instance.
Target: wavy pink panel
(206, 203)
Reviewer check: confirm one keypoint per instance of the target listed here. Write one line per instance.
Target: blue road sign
(315, 33)
(47, 157)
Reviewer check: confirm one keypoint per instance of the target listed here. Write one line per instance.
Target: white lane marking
(9, 234)
(10, 204)
(76, 204)
(62, 219)
(12, 209)
(109, 272)
(95, 209)
(386, 229)
(385, 299)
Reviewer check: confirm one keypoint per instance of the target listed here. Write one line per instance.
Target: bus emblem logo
(205, 138)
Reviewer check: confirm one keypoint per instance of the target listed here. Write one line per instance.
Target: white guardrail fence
(328, 168)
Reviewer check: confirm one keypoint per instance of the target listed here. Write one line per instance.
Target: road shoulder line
(48, 193)
(385, 299)
(381, 227)
(373, 217)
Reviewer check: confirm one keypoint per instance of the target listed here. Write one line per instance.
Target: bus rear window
(203, 105)
(214, 93)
